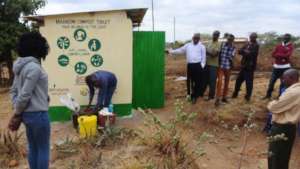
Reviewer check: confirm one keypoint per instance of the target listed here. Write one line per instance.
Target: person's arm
(290, 51)
(274, 53)
(14, 92)
(32, 75)
(255, 55)
(285, 102)
(242, 50)
(179, 51)
(91, 94)
(203, 56)
(232, 55)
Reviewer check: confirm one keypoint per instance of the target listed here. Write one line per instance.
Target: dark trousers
(276, 74)
(210, 76)
(244, 75)
(280, 151)
(194, 84)
(105, 96)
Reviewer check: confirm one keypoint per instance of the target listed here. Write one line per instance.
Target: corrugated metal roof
(135, 14)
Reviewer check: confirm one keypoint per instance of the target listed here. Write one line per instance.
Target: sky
(239, 17)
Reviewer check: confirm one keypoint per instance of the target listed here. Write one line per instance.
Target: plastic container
(111, 108)
(105, 119)
(87, 126)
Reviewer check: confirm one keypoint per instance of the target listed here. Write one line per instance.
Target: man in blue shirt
(106, 82)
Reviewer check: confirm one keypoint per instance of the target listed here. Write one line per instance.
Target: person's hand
(168, 51)
(15, 122)
(283, 60)
(247, 51)
(88, 109)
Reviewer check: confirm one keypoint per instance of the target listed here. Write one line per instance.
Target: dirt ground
(223, 151)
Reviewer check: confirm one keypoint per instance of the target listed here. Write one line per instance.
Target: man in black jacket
(249, 54)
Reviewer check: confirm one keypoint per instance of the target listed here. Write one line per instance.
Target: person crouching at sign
(106, 82)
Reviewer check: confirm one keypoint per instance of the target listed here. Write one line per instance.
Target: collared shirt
(226, 56)
(282, 54)
(249, 59)
(286, 110)
(214, 49)
(194, 53)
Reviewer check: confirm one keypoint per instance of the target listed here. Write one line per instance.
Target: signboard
(83, 43)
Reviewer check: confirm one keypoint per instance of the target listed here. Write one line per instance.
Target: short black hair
(287, 34)
(33, 44)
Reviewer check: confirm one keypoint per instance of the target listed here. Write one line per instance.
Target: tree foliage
(11, 26)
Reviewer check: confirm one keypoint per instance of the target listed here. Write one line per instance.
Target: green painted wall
(61, 113)
(148, 69)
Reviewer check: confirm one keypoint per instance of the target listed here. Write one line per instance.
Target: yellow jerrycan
(87, 126)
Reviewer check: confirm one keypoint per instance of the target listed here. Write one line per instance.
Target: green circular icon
(63, 60)
(97, 60)
(80, 35)
(63, 42)
(94, 45)
(80, 68)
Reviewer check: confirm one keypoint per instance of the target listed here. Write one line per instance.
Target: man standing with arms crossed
(281, 55)
(196, 59)
(249, 54)
(212, 62)
(285, 115)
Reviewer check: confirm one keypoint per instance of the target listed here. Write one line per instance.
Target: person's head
(290, 77)
(226, 35)
(287, 38)
(253, 37)
(216, 35)
(33, 44)
(230, 39)
(91, 80)
(196, 38)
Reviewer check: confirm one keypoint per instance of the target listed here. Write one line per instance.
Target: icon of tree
(63, 42)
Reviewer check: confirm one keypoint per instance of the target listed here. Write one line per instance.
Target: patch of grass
(165, 139)
(10, 147)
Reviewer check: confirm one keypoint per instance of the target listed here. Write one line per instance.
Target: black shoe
(266, 98)
(234, 95)
(224, 100)
(194, 100)
(217, 103)
(209, 98)
(247, 99)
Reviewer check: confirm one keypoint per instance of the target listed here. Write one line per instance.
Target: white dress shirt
(194, 53)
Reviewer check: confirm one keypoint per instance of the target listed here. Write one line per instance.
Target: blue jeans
(38, 135)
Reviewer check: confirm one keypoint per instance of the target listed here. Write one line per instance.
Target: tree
(11, 26)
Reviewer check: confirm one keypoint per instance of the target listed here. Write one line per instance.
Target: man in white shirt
(196, 59)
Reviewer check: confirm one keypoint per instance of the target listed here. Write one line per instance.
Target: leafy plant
(166, 139)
